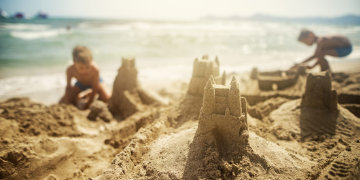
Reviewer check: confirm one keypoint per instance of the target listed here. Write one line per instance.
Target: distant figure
(42, 15)
(87, 75)
(336, 45)
(68, 28)
(19, 15)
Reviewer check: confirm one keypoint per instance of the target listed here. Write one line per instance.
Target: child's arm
(308, 59)
(305, 61)
(310, 67)
(68, 79)
(95, 87)
(315, 55)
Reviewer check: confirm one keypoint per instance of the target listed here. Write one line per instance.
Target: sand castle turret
(127, 96)
(318, 93)
(202, 70)
(223, 114)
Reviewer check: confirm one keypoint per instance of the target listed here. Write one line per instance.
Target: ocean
(34, 53)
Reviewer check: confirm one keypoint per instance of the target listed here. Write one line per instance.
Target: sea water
(34, 53)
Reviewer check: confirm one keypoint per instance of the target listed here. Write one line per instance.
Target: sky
(181, 9)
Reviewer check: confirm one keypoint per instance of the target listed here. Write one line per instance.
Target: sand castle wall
(318, 93)
(128, 97)
(276, 80)
(202, 70)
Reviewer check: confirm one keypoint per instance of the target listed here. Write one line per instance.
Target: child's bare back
(87, 78)
(333, 42)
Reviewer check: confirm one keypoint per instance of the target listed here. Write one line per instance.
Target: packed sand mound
(202, 70)
(319, 134)
(59, 141)
(99, 111)
(34, 136)
(289, 139)
(128, 97)
(36, 119)
(220, 147)
(321, 128)
(124, 163)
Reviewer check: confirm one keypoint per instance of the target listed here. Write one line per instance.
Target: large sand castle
(202, 70)
(128, 96)
(224, 113)
(222, 131)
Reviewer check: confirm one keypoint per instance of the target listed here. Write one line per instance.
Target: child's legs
(324, 64)
(103, 94)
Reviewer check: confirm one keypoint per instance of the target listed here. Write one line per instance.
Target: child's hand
(86, 106)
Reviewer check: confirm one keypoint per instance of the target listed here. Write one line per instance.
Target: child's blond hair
(304, 34)
(82, 54)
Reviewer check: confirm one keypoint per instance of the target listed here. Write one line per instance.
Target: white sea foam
(30, 35)
(11, 26)
(18, 85)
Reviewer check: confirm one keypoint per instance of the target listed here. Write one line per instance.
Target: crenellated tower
(128, 97)
(224, 114)
(318, 93)
(202, 70)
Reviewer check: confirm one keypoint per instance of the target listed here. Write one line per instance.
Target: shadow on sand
(317, 122)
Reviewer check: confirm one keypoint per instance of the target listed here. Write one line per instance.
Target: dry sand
(302, 131)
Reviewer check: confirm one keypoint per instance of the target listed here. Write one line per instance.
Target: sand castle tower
(127, 96)
(318, 93)
(202, 71)
(223, 114)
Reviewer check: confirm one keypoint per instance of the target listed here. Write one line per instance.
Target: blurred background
(165, 36)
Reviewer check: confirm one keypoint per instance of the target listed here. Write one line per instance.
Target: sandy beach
(306, 129)
(183, 90)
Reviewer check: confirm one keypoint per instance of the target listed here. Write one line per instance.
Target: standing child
(335, 45)
(87, 75)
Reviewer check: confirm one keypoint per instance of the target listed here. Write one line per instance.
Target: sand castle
(318, 93)
(223, 114)
(128, 97)
(202, 71)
